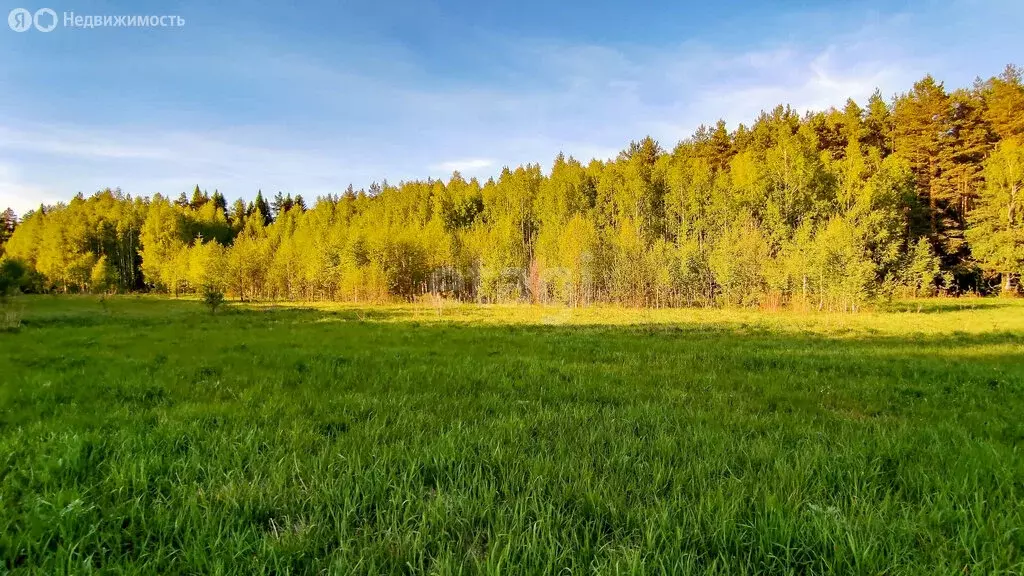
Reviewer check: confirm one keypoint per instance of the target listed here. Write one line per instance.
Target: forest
(917, 195)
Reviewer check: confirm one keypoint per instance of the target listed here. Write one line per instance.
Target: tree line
(915, 196)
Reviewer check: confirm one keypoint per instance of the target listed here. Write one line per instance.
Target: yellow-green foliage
(829, 210)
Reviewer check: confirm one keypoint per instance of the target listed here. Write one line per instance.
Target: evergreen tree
(920, 128)
(236, 216)
(219, 201)
(878, 125)
(259, 205)
(997, 225)
(924, 273)
(8, 222)
(1004, 103)
(278, 205)
(198, 199)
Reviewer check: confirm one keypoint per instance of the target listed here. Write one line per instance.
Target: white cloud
(466, 165)
(146, 161)
(583, 100)
(20, 196)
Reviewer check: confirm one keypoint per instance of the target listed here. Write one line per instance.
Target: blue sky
(308, 97)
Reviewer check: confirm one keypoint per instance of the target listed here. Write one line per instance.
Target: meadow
(145, 435)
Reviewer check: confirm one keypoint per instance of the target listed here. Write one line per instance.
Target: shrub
(13, 277)
(213, 298)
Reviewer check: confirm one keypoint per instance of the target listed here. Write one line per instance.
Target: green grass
(143, 435)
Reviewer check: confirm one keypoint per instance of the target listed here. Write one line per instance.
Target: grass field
(143, 435)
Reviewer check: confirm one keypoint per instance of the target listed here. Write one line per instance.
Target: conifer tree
(997, 225)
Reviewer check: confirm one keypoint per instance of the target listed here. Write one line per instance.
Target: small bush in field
(10, 316)
(213, 298)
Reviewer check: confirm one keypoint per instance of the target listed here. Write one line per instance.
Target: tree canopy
(829, 209)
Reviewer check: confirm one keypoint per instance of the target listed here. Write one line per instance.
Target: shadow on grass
(44, 312)
(946, 305)
(417, 336)
(86, 310)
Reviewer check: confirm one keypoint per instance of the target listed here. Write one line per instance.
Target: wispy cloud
(167, 162)
(17, 194)
(337, 125)
(466, 165)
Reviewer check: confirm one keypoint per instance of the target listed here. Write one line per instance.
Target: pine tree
(1004, 99)
(997, 224)
(260, 205)
(966, 142)
(924, 272)
(8, 222)
(198, 198)
(920, 128)
(236, 216)
(878, 125)
(219, 201)
(278, 205)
